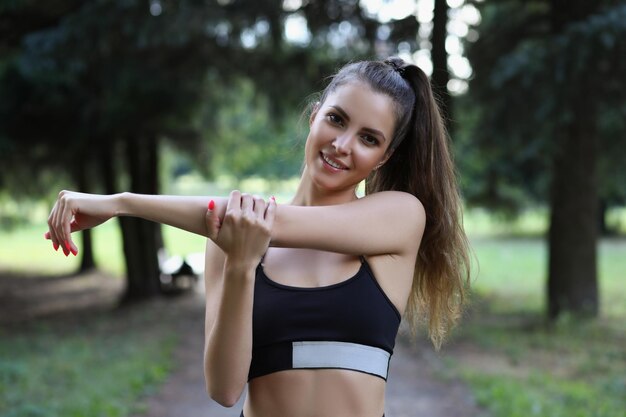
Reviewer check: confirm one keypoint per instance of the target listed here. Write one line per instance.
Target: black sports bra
(348, 325)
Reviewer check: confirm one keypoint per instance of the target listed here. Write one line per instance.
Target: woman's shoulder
(405, 207)
(400, 200)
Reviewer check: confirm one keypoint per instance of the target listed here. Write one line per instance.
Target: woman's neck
(309, 194)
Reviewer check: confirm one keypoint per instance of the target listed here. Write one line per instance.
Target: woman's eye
(334, 118)
(369, 140)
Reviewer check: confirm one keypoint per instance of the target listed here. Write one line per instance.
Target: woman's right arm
(235, 249)
(229, 292)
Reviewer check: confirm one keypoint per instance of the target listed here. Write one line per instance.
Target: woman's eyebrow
(341, 111)
(367, 129)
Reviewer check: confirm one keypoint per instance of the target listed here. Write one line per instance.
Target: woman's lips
(332, 163)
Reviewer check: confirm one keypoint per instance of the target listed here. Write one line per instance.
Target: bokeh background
(198, 97)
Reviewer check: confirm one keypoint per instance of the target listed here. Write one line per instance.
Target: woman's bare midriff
(316, 393)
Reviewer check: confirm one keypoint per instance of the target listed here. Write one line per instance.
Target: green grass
(25, 249)
(95, 365)
(524, 367)
(543, 395)
(511, 274)
(518, 364)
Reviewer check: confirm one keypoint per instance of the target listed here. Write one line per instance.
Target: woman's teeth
(331, 163)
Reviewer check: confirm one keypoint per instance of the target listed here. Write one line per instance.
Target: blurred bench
(178, 274)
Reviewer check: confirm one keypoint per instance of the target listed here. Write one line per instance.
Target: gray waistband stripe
(363, 358)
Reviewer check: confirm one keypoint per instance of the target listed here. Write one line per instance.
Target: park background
(200, 97)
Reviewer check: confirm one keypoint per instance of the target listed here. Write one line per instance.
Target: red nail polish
(66, 252)
(74, 251)
(55, 246)
(67, 245)
(211, 205)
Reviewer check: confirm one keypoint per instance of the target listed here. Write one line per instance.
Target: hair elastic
(396, 66)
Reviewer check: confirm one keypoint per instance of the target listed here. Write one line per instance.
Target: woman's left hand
(245, 232)
(75, 211)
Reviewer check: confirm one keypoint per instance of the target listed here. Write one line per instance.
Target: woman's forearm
(228, 346)
(183, 212)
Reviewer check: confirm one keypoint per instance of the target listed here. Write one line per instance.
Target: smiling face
(349, 136)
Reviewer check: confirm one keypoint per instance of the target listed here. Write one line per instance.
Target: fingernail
(67, 245)
(46, 235)
(55, 246)
(66, 252)
(211, 205)
(74, 251)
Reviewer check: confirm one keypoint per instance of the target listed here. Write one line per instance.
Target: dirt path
(25, 297)
(413, 390)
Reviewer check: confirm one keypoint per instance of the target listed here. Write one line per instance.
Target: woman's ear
(384, 160)
(316, 107)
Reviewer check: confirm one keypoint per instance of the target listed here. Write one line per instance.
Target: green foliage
(83, 78)
(250, 140)
(91, 80)
(528, 78)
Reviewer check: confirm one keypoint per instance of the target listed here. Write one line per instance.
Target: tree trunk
(603, 227)
(572, 266)
(87, 261)
(573, 235)
(107, 168)
(142, 239)
(441, 75)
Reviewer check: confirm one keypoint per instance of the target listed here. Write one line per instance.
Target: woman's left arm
(75, 211)
(389, 222)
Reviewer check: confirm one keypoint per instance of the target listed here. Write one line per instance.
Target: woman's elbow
(225, 401)
(224, 397)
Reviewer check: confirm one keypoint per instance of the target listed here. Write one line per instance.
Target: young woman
(304, 300)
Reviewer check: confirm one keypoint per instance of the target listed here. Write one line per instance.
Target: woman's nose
(343, 143)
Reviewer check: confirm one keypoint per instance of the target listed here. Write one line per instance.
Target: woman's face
(349, 136)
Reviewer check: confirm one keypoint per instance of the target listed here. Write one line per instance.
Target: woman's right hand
(244, 233)
(75, 211)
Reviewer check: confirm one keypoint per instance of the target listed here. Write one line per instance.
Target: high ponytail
(420, 163)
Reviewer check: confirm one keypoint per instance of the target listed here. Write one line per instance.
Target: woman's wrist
(120, 204)
(239, 267)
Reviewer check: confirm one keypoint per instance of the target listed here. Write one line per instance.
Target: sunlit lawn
(516, 363)
(25, 249)
(512, 273)
(520, 366)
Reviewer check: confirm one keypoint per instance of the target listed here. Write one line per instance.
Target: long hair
(421, 164)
